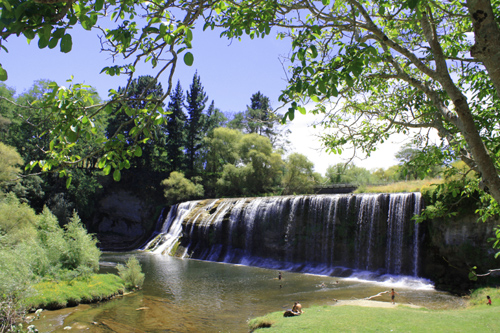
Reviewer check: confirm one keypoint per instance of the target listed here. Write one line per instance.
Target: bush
(82, 253)
(177, 188)
(132, 274)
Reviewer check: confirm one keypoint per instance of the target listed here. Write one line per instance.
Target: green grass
(409, 186)
(478, 317)
(59, 294)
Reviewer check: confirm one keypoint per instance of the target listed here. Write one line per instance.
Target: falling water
(326, 234)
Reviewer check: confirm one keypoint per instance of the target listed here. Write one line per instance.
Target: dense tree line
(220, 154)
(213, 154)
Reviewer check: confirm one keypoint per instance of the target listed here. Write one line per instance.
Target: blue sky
(230, 71)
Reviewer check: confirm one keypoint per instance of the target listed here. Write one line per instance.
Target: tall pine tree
(176, 130)
(196, 100)
(215, 118)
(260, 118)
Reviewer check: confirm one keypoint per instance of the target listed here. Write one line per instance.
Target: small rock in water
(67, 328)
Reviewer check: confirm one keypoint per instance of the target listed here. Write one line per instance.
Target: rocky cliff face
(452, 247)
(124, 219)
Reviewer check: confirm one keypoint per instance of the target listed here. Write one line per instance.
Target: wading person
(393, 294)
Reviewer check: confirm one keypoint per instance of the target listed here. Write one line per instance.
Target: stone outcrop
(452, 247)
(124, 220)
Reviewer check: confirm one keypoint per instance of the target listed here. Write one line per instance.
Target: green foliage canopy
(389, 66)
(299, 175)
(10, 161)
(177, 188)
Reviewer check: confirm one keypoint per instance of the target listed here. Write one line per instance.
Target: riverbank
(51, 295)
(368, 315)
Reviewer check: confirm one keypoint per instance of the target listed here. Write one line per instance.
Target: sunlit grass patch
(350, 318)
(478, 297)
(58, 294)
(407, 186)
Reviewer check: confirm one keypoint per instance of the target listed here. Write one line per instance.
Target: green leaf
(66, 43)
(98, 5)
(349, 81)
(71, 135)
(42, 42)
(29, 34)
(322, 87)
(53, 43)
(325, 2)
(189, 34)
(68, 182)
(102, 162)
(7, 5)
(86, 22)
(107, 169)
(138, 151)
(412, 3)
(129, 112)
(313, 51)
(117, 175)
(188, 58)
(58, 33)
(3, 74)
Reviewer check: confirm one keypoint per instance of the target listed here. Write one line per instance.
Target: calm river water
(182, 295)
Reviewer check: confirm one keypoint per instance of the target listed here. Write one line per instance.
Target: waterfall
(325, 234)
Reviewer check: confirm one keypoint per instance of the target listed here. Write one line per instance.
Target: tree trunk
(487, 38)
(487, 50)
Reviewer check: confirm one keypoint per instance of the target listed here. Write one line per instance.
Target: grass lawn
(475, 318)
(59, 294)
(405, 186)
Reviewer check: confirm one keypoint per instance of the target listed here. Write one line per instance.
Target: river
(184, 295)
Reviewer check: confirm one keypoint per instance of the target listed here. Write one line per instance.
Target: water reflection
(182, 295)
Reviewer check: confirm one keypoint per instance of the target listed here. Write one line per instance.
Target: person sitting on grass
(295, 311)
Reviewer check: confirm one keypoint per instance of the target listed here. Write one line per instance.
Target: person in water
(393, 294)
(489, 300)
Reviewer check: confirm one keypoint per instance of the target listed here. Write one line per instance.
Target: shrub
(177, 188)
(51, 238)
(82, 252)
(132, 274)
